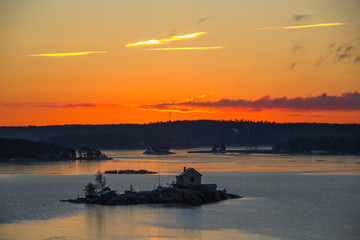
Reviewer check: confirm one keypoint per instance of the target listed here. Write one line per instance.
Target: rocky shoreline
(195, 195)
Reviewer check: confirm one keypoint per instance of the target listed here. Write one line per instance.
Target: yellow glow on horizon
(160, 41)
(184, 48)
(304, 26)
(64, 54)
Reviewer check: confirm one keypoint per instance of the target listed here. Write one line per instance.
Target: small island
(216, 148)
(129, 171)
(186, 190)
(158, 150)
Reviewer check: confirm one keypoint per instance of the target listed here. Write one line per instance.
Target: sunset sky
(137, 61)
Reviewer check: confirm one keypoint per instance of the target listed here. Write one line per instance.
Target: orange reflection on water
(119, 222)
(174, 164)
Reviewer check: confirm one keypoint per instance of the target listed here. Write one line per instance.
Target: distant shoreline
(178, 134)
(314, 152)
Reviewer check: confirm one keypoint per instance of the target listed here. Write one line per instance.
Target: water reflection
(276, 204)
(134, 159)
(95, 221)
(127, 223)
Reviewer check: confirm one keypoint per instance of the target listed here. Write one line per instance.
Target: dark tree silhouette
(179, 134)
(100, 181)
(89, 189)
(27, 149)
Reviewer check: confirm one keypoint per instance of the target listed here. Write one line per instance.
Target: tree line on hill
(23, 149)
(178, 134)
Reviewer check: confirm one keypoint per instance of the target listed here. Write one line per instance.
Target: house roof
(105, 192)
(187, 171)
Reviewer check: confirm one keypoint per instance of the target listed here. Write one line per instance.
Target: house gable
(188, 178)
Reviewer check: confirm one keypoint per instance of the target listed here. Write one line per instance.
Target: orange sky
(65, 62)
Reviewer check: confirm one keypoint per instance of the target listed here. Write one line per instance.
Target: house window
(192, 179)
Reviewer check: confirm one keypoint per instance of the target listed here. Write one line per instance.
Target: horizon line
(173, 121)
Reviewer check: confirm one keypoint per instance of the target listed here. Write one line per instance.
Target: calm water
(286, 197)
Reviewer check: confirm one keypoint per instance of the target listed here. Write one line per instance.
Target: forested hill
(178, 134)
(22, 149)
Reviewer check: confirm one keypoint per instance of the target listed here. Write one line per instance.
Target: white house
(189, 177)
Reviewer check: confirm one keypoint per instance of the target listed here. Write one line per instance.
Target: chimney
(184, 169)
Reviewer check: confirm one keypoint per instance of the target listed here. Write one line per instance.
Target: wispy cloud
(59, 105)
(293, 65)
(303, 26)
(69, 54)
(165, 40)
(204, 19)
(185, 48)
(296, 48)
(344, 51)
(357, 59)
(349, 101)
(343, 56)
(74, 105)
(300, 17)
(339, 52)
(306, 115)
(319, 62)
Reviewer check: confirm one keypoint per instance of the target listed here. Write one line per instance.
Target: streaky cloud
(348, 101)
(161, 41)
(204, 19)
(303, 115)
(315, 25)
(175, 109)
(73, 105)
(267, 28)
(184, 48)
(69, 54)
(304, 26)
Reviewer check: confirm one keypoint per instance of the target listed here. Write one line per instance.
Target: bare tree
(100, 181)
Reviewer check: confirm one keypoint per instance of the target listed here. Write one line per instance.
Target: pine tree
(89, 189)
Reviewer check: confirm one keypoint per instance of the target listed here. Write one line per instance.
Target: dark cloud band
(349, 101)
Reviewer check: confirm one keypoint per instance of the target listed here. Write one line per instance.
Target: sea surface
(285, 197)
